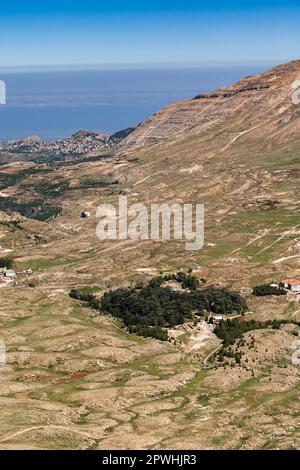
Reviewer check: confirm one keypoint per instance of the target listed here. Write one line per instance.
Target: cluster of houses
(75, 145)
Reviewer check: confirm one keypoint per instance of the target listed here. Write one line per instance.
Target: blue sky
(143, 32)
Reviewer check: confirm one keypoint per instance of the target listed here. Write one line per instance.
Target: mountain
(29, 141)
(84, 381)
(120, 135)
(82, 134)
(236, 150)
(262, 103)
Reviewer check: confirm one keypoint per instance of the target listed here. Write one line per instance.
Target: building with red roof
(291, 284)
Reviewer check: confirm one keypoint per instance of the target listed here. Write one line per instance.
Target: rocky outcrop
(28, 141)
(229, 94)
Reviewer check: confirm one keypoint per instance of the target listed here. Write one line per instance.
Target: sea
(54, 103)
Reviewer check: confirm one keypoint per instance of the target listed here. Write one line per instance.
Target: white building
(217, 318)
(10, 273)
(291, 284)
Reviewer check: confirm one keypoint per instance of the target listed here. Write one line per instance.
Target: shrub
(149, 331)
(83, 294)
(7, 263)
(230, 330)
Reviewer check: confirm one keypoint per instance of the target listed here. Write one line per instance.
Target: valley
(74, 377)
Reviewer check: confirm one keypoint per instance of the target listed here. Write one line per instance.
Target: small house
(217, 318)
(85, 214)
(291, 284)
(10, 273)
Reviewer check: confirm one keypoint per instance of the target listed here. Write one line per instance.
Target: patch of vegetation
(230, 330)
(149, 332)
(266, 289)
(35, 209)
(153, 305)
(236, 355)
(89, 182)
(147, 309)
(203, 399)
(69, 159)
(262, 219)
(186, 281)
(56, 188)
(11, 179)
(45, 263)
(47, 188)
(86, 294)
(12, 225)
(7, 263)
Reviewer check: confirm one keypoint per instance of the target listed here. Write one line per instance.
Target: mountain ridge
(195, 112)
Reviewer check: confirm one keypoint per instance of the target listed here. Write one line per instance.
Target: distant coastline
(55, 103)
(137, 66)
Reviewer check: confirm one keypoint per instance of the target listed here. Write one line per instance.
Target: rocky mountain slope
(236, 150)
(75, 379)
(262, 103)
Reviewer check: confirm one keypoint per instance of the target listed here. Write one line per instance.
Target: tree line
(265, 289)
(230, 330)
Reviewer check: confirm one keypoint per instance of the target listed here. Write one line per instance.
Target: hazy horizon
(56, 103)
(146, 65)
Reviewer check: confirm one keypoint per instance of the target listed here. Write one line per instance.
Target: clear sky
(65, 32)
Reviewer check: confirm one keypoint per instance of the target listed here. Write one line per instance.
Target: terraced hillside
(76, 379)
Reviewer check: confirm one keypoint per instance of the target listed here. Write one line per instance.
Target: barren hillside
(76, 379)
